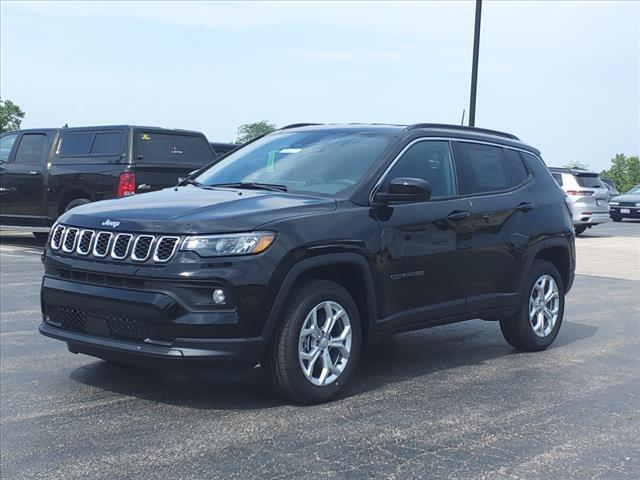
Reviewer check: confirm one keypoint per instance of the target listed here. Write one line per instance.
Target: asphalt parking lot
(452, 402)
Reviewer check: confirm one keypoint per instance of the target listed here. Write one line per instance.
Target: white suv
(588, 193)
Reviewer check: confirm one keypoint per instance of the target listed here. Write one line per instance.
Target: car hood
(190, 209)
(626, 198)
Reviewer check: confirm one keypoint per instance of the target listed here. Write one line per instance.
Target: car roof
(106, 127)
(572, 171)
(428, 129)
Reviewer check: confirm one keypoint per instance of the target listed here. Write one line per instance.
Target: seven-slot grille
(120, 246)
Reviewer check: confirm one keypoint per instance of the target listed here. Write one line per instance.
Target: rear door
(21, 178)
(162, 159)
(495, 181)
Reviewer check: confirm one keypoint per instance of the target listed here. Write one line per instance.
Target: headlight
(637, 204)
(614, 203)
(229, 244)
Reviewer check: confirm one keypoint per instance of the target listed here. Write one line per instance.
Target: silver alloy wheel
(544, 305)
(325, 343)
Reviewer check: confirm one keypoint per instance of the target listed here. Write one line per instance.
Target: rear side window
(75, 144)
(557, 177)
(171, 148)
(519, 172)
(431, 161)
(590, 181)
(482, 168)
(31, 148)
(107, 143)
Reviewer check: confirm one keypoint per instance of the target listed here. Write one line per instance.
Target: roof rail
(462, 127)
(296, 125)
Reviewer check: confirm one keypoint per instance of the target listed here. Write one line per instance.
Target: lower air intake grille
(113, 326)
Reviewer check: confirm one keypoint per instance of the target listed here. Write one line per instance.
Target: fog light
(219, 297)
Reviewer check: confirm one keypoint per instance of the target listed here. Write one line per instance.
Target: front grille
(118, 246)
(84, 242)
(56, 237)
(121, 246)
(70, 240)
(101, 247)
(627, 204)
(113, 326)
(142, 248)
(165, 248)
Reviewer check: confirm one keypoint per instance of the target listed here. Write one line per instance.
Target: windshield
(591, 181)
(325, 162)
(634, 191)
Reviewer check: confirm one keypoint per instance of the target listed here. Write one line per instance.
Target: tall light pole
(474, 66)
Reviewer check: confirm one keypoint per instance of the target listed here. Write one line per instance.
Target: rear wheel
(76, 203)
(616, 218)
(41, 236)
(315, 351)
(539, 317)
(580, 229)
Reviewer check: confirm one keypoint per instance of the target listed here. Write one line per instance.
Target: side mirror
(405, 189)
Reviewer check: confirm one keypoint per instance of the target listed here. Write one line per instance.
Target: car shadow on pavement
(393, 360)
(21, 240)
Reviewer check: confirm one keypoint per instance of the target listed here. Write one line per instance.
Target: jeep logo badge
(110, 223)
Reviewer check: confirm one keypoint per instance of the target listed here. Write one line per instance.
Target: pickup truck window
(170, 148)
(107, 143)
(6, 143)
(31, 148)
(76, 144)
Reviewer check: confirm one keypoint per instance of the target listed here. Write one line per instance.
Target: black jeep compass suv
(301, 246)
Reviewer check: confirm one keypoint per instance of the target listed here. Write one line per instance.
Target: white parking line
(19, 312)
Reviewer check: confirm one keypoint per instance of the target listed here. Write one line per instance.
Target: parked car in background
(611, 186)
(300, 247)
(588, 193)
(223, 148)
(625, 206)
(45, 172)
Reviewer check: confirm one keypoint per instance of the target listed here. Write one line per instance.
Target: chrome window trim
(80, 234)
(66, 234)
(114, 243)
(53, 234)
(175, 247)
(450, 140)
(95, 244)
(135, 244)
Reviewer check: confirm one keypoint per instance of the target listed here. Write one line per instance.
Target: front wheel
(616, 218)
(537, 322)
(315, 351)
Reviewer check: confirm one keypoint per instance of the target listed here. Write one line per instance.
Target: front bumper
(633, 212)
(141, 327)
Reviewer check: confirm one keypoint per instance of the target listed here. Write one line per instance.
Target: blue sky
(562, 76)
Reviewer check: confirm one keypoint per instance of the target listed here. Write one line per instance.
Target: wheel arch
(349, 270)
(559, 255)
(71, 195)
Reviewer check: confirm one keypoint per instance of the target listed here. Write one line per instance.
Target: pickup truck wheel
(41, 236)
(76, 203)
(537, 322)
(315, 350)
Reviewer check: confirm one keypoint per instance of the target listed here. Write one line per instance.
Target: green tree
(10, 116)
(576, 164)
(624, 171)
(249, 131)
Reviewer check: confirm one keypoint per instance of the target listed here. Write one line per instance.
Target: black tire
(41, 236)
(518, 331)
(281, 363)
(76, 203)
(616, 218)
(580, 229)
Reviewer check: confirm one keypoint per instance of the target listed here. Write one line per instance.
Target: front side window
(31, 148)
(482, 168)
(6, 143)
(324, 162)
(431, 161)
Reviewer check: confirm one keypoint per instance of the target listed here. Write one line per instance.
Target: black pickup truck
(45, 172)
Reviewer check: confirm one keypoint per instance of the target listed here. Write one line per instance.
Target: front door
(425, 245)
(21, 180)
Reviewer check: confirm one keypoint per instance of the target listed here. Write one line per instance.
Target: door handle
(458, 216)
(34, 172)
(487, 215)
(526, 206)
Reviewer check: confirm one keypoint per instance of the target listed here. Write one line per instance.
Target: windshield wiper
(252, 185)
(191, 181)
